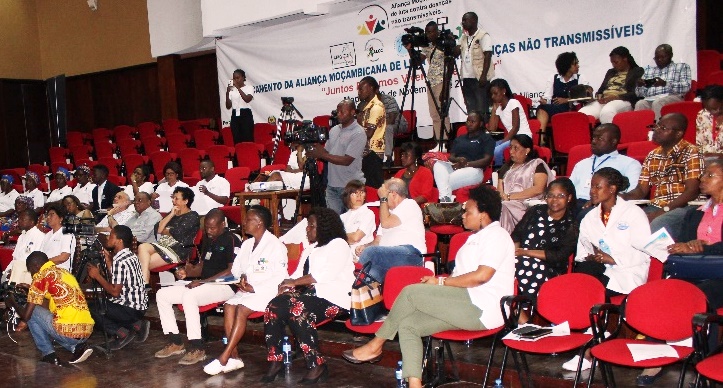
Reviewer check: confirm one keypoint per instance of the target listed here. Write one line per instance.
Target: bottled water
(286, 350)
(498, 384)
(398, 374)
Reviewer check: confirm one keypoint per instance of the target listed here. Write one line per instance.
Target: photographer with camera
(67, 321)
(665, 83)
(128, 300)
(344, 152)
(59, 247)
(238, 99)
(475, 49)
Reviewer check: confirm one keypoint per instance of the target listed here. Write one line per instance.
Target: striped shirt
(127, 271)
(667, 173)
(676, 76)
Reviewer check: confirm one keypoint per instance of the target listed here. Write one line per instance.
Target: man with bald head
(343, 151)
(143, 222)
(665, 83)
(673, 170)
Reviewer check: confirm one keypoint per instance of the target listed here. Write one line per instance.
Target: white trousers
(657, 104)
(449, 179)
(191, 299)
(606, 112)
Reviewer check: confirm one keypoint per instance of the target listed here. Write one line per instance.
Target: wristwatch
(666, 208)
(383, 200)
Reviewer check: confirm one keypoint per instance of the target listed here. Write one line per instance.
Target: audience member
(475, 51)
(508, 111)
(59, 247)
(291, 177)
(665, 83)
(260, 265)
(138, 182)
(617, 91)
(557, 93)
(673, 170)
(709, 122)
(9, 223)
(176, 233)
(61, 179)
(30, 240)
(84, 187)
(318, 290)
(524, 177)
(343, 151)
(218, 257)
(144, 219)
(74, 207)
(469, 299)
(32, 180)
(69, 324)
(7, 195)
(172, 173)
(470, 154)
(419, 179)
(103, 194)
(212, 191)
(359, 220)
(120, 214)
(400, 236)
(372, 117)
(127, 303)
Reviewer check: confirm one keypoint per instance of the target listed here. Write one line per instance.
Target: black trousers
(242, 125)
(116, 318)
(372, 169)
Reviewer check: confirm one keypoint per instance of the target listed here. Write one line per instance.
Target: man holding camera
(66, 321)
(664, 83)
(475, 49)
(128, 300)
(343, 151)
(144, 221)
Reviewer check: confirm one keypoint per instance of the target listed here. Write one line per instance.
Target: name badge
(261, 266)
(588, 183)
(208, 256)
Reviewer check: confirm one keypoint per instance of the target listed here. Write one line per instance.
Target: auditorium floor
(135, 365)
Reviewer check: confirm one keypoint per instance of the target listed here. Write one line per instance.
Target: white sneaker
(232, 365)
(572, 364)
(214, 367)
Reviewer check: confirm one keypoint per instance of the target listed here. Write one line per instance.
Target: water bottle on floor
(498, 384)
(400, 380)
(286, 351)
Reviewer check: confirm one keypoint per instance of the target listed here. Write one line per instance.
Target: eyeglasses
(659, 127)
(709, 175)
(556, 196)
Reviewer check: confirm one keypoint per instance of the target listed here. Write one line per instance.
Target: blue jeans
(41, 328)
(672, 221)
(500, 148)
(385, 258)
(333, 199)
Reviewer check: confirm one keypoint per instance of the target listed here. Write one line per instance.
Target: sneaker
(170, 350)
(81, 353)
(233, 364)
(572, 364)
(142, 328)
(120, 343)
(52, 358)
(192, 357)
(214, 367)
(445, 200)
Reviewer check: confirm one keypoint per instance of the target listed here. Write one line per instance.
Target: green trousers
(422, 310)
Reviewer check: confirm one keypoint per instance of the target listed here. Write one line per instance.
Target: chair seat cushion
(616, 352)
(711, 367)
(446, 229)
(363, 329)
(550, 344)
(204, 308)
(164, 268)
(464, 335)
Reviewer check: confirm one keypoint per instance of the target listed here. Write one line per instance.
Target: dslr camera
(415, 36)
(307, 133)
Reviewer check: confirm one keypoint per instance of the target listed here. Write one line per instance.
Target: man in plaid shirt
(665, 83)
(128, 300)
(673, 170)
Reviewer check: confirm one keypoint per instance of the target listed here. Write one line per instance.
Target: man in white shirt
(59, 247)
(212, 191)
(120, 214)
(61, 179)
(400, 237)
(475, 51)
(30, 240)
(7, 195)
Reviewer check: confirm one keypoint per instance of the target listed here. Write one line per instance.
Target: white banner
(320, 61)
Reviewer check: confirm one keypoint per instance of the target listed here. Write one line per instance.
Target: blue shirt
(584, 169)
(473, 148)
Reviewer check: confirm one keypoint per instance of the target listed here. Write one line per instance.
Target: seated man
(119, 214)
(604, 147)
(665, 83)
(67, 322)
(128, 300)
(400, 236)
(217, 258)
(673, 170)
(103, 194)
(144, 221)
(212, 191)
(29, 241)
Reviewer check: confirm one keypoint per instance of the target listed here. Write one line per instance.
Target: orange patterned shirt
(667, 173)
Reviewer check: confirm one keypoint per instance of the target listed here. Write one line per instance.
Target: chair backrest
(147, 128)
(205, 138)
(430, 240)
(640, 149)
(227, 136)
(715, 78)
(237, 177)
(112, 164)
(663, 309)
(264, 132)
(588, 292)
(105, 150)
(158, 160)
(132, 162)
(124, 132)
(526, 104)
(411, 117)
(634, 125)
(74, 138)
(708, 62)
(191, 126)
(81, 152)
(283, 152)
(577, 153)
(688, 108)
(399, 277)
(190, 160)
(101, 134)
(462, 130)
(58, 154)
(322, 121)
(568, 130)
(171, 125)
(39, 169)
(247, 155)
(128, 146)
(176, 141)
(220, 155)
(455, 243)
(152, 144)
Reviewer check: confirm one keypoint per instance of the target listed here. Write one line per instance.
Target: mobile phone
(230, 82)
(541, 332)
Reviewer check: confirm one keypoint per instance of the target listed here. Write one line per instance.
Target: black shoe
(647, 380)
(53, 359)
(120, 343)
(276, 369)
(314, 375)
(142, 331)
(81, 353)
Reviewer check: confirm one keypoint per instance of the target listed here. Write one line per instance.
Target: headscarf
(64, 171)
(9, 178)
(27, 200)
(83, 168)
(33, 176)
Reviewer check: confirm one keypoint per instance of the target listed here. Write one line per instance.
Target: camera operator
(344, 152)
(128, 300)
(67, 322)
(475, 49)
(120, 214)
(31, 239)
(59, 247)
(144, 219)
(435, 74)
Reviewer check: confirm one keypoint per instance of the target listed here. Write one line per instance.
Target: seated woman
(546, 237)
(359, 222)
(469, 299)
(84, 188)
(139, 182)
(318, 290)
(418, 178)
(507, 110)
(470, 155)
(176, 234)
(709, 122)
(61, 179)
(9, 223)
(73, 206)
(524, 177)
(32, 180)
(172, 173)
(291, 177)
(558, 91)
(617, 91)
(121, 212)
(260, 266)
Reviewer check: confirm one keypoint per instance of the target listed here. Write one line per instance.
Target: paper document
(649, 351)
(658, 243)
(522, 332)
(176, 283)
(230, 279)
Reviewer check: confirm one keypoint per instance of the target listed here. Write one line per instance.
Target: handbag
(695, 267)
(444, 213)
(366, 298)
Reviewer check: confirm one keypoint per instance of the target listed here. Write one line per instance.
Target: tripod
(88, 256)
(310, 171)
(287, 117)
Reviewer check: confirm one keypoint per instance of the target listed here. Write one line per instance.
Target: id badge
(468, 58)
(208, 256)
(588, 183)
(261, 266)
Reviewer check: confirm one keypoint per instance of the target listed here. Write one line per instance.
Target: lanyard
(598, 166)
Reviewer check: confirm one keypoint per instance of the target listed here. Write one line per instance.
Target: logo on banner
(342, 55)
(374, 49)
(374, 20)
(401, 50)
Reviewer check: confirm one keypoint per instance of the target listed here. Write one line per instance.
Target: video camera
(307, 133)
(7, 289)
(79, 226)
(287, 100)
(415, 36)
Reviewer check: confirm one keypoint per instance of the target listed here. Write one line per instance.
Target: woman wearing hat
(84, 189)
(32, 180)
(7, 195)
(61, 179)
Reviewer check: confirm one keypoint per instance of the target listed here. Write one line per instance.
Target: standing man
(212, 191)
(372, 117)
(673, 170)
(66, 321)
(343, 151)
(476, 52)
(104, 192)
(128, 299)
(143, 222)
(665, 83)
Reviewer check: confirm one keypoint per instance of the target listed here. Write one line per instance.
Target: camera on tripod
(447, 41)
(7, 289)
(287, 100)
(415, 36)
(84, 230)
(307, 133)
